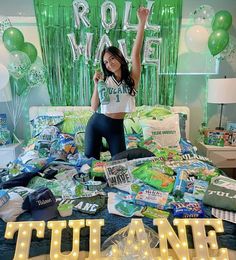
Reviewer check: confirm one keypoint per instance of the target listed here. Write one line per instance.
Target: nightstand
(222, 157)
(9, 153)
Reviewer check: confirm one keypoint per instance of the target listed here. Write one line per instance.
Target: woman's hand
(97, 76)
(142, 14)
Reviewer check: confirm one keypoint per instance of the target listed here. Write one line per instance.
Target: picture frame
(232, 138)
(231, 126)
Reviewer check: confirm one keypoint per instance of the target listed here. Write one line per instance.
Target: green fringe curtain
(70, 82)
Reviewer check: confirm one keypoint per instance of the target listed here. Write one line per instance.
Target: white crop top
(119, 98)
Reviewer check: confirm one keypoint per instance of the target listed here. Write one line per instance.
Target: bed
(40, 247)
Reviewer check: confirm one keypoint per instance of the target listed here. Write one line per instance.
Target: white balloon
(196, 38)
(4, 55)
(81, 9)
(5, 93)
(4, 76)
(108, 5)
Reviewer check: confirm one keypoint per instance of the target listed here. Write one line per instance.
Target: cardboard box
(216, 137)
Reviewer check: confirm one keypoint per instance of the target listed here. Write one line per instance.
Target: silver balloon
(104, 42)
(81, 9)
(108, 5)
(149, 51)
(123, 49)
(88, 46)
(126, 25)
(151, 26)
(80, 49)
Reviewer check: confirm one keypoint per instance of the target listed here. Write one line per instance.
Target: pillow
(75, 121)
(165, 131)
(42, 121)
(151, 111)
(132, 120)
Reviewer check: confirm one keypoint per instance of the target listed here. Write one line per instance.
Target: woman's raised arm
(142, 14)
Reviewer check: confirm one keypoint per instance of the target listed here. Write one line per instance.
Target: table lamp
(221, 91)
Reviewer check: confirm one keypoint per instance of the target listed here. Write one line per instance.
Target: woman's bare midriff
(116, 115)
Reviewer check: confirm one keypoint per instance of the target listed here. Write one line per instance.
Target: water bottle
(103, 92)
(180, 184)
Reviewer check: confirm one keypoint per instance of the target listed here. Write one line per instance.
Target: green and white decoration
(73, 34)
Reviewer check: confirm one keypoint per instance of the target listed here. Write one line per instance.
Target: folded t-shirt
(221, 193)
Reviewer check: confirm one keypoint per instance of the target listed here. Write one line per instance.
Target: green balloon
(21, 87)
(222, 20)
(13, 39)
(218, 41)
(29, 49)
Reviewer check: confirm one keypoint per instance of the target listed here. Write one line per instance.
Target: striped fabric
(224, 214)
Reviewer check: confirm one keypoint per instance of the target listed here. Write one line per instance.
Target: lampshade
(222, 91)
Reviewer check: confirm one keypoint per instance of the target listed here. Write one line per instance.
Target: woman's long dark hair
(125, 73)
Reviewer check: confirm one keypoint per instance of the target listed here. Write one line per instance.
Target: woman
(120, 87)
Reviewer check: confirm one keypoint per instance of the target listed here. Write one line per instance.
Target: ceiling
(17, 8)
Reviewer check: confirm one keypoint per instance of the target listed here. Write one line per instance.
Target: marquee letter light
(201, 241)
(81, 9)
(166, 232)
(108, 5)
(137, 240)
(56, 227)
(95, 238)
(24, 236)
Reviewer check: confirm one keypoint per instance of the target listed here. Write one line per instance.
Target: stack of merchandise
(5, 135)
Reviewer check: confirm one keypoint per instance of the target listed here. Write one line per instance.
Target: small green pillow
(75, 121)
(42, 121)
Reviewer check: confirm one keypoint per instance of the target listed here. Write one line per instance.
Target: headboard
(35, 111)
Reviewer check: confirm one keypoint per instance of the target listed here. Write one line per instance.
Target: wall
(190, 89)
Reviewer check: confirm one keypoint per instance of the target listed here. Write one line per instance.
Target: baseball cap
(42, 204)
(4, 197)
